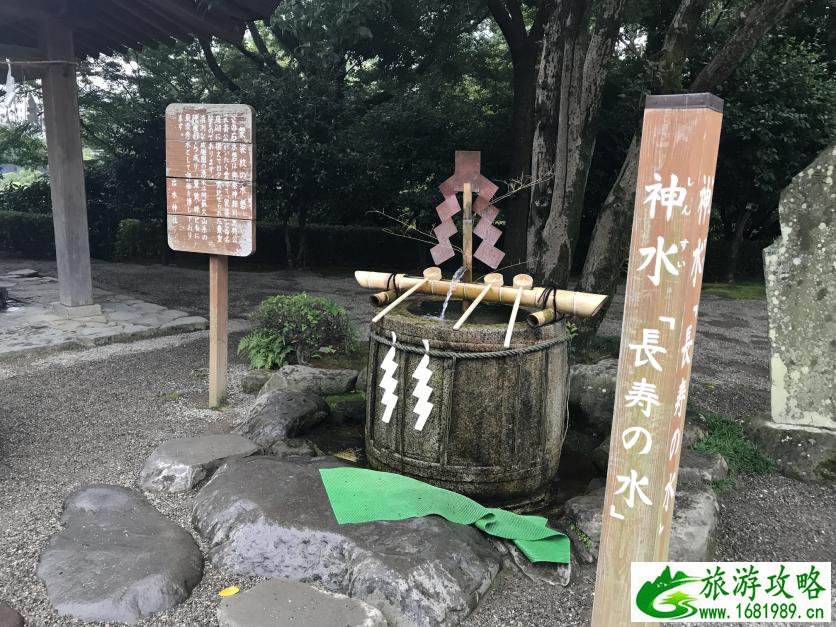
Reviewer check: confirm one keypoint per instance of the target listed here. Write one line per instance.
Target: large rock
(281, 414)
(362, 381)
(695, 467)
(698, 468)
(282, 602)
(801, 291)
(804, 453)
(117, 559)
(320, 381)
(592, 395)
(10, 617)
(693, 534)
(254, 380)
(271, 518)
(178, 465)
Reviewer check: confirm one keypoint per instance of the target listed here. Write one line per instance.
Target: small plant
(743, 457)
(296, 328)
(582, 536)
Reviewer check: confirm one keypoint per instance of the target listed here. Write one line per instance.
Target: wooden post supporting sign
(211, 204)
(677, 163)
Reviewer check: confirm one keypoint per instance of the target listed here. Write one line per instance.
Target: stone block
(800, 269)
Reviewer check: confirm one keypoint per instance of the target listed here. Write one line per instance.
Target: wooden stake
(218, 315)
(467, 236)
(493, 279)
(430, 274)
(680, 137)
(521, 282)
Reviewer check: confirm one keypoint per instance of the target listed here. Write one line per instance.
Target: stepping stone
(282, 602)
(281, 414)
(693, 534)
(320, 381)
(254, 380)
(117, 559)
(10, 617)
(268, 517)
(23, 273)
(178, 465)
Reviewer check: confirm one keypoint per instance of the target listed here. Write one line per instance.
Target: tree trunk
(737, 240)
(610, 239)
(522, 127)
(573, 69)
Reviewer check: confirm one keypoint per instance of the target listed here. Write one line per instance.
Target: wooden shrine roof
(115, 26)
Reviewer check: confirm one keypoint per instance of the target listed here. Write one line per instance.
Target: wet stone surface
(281, 414)
(31, 325)
(178, 465)
(117, 558)
(268, 517)
(282, 602)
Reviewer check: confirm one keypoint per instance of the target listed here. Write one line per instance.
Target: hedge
(27, 234)
(31, 234)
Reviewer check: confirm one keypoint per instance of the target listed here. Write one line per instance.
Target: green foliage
(137, 238)
(726, 437)
(22, 144)
(30, 234)
(297, 327)
(746, 290)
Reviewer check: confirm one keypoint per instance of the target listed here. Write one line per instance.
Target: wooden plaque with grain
(210, 194)
(676, 169)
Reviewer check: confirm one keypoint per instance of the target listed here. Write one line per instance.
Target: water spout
(457, 276)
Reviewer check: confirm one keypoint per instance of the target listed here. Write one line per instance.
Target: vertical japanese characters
(209, 179)
(667, 253)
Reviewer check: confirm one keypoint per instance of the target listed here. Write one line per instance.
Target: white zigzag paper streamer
(423, 391)
(388, 382)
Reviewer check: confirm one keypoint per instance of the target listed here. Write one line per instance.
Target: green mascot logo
(680, 602)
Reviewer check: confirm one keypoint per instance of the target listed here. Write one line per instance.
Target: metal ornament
(468, 165)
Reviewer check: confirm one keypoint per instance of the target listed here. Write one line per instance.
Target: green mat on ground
(359, 495)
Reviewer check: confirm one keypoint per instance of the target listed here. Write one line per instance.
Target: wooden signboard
(677, 162)
(209, 179)
(211, 204)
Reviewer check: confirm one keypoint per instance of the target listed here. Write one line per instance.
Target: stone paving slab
(30, 326)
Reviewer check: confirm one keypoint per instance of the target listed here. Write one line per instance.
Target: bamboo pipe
(432, 273)
(540, 318)
(572, 303)
(491, 280)
(467, 235)
(521, 282)
(383, 298)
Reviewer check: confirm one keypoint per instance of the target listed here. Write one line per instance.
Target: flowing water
(457, 276)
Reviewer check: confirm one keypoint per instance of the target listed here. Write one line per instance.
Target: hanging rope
(447, 354)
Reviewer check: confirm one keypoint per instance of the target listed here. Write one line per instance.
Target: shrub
(294, 328)
(30, 234)
(137, 238)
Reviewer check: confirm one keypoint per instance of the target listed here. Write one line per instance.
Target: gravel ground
(93, 416)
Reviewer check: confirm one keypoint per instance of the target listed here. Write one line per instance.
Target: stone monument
(800, 269)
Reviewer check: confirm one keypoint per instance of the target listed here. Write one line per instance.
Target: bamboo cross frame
(559, 301)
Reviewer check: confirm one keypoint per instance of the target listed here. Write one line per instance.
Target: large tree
(581, 41)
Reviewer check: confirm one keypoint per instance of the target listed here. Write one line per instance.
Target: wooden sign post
(210, 171)
(677, 162)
